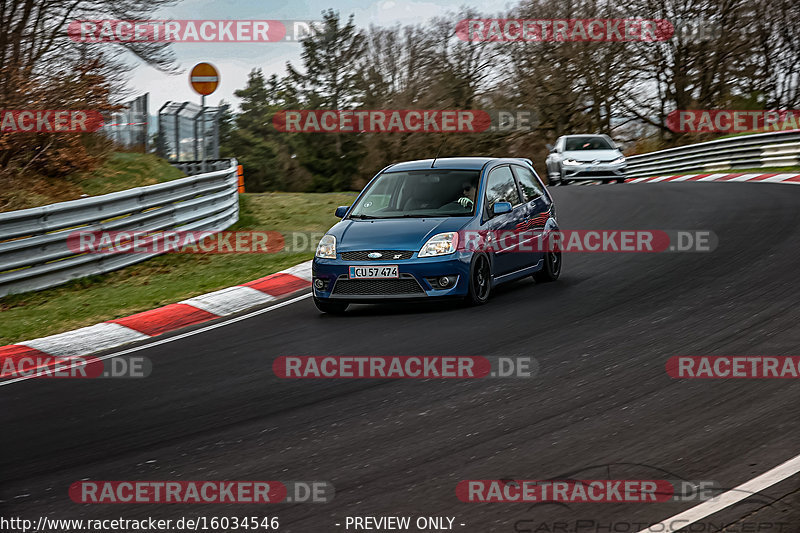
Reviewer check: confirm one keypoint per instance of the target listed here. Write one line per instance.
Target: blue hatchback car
(402, 239)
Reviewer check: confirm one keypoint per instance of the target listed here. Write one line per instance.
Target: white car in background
(585, 157)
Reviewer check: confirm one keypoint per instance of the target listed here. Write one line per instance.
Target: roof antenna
(438, 151)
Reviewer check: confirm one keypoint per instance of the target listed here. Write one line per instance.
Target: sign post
(204, 79)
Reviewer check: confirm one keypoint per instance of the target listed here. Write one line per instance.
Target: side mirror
(341, 211)
(501, 207)
(551, 148)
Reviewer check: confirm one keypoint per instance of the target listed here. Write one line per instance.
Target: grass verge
(122, 170)
(172, 277)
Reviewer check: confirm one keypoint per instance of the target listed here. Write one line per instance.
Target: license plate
(374, 272)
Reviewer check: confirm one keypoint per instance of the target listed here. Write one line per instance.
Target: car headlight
(326, 249)
(440, 244)
(618, 161)
(570, 163)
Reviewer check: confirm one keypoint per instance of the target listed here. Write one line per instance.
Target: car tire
(480, 280)
(551, 268)
(620, 180)
(333, 308)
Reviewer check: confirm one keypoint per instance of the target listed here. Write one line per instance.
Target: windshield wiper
(362, 217)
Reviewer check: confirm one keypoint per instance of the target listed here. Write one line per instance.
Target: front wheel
(620, 180)
(334, 308)
(480, 280)
(551, 269)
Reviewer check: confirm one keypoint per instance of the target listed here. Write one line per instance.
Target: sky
(235, 60)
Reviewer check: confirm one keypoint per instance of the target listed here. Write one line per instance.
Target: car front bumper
(588, 171)
(417, 281)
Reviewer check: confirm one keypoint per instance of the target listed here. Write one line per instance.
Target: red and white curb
(791, 178)
(141, 326)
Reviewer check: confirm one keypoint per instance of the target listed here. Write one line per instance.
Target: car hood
(592, 155)
(392, 233)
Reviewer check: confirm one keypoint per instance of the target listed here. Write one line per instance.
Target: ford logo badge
(374, 255)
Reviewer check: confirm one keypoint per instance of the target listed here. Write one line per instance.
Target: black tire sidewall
(472, 297)
(546, 274)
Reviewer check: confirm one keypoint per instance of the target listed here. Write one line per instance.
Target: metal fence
(128, 127)
(34, 253)
(196, 167)
(761, 150)
(188, 132)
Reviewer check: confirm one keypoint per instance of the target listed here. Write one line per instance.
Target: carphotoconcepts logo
(404, 120)
(191, 31)
(76, 367)
(201, 492)
(49, 120)
(732, 121)
(404, 367)
(563, 30)
(733, 367)
(621, 241)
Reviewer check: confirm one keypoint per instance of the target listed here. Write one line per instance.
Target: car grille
(590, 173)
(378, 287)
(386, 255)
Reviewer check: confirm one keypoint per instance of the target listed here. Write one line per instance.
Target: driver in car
(468, 200)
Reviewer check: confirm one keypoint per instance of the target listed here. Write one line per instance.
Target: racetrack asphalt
(602, 404)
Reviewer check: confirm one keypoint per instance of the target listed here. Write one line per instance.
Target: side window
(530, 186)
(560, 144)
(501, 187)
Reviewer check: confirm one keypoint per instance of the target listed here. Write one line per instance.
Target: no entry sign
(204, 78)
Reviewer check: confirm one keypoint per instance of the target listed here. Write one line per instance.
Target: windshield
(587, 143)
(420, 193)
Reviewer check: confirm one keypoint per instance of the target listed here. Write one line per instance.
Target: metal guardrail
(34, 253)
(197, 167)
(761, 150)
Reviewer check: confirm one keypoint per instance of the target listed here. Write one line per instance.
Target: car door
(502, 187)
(537, 211)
